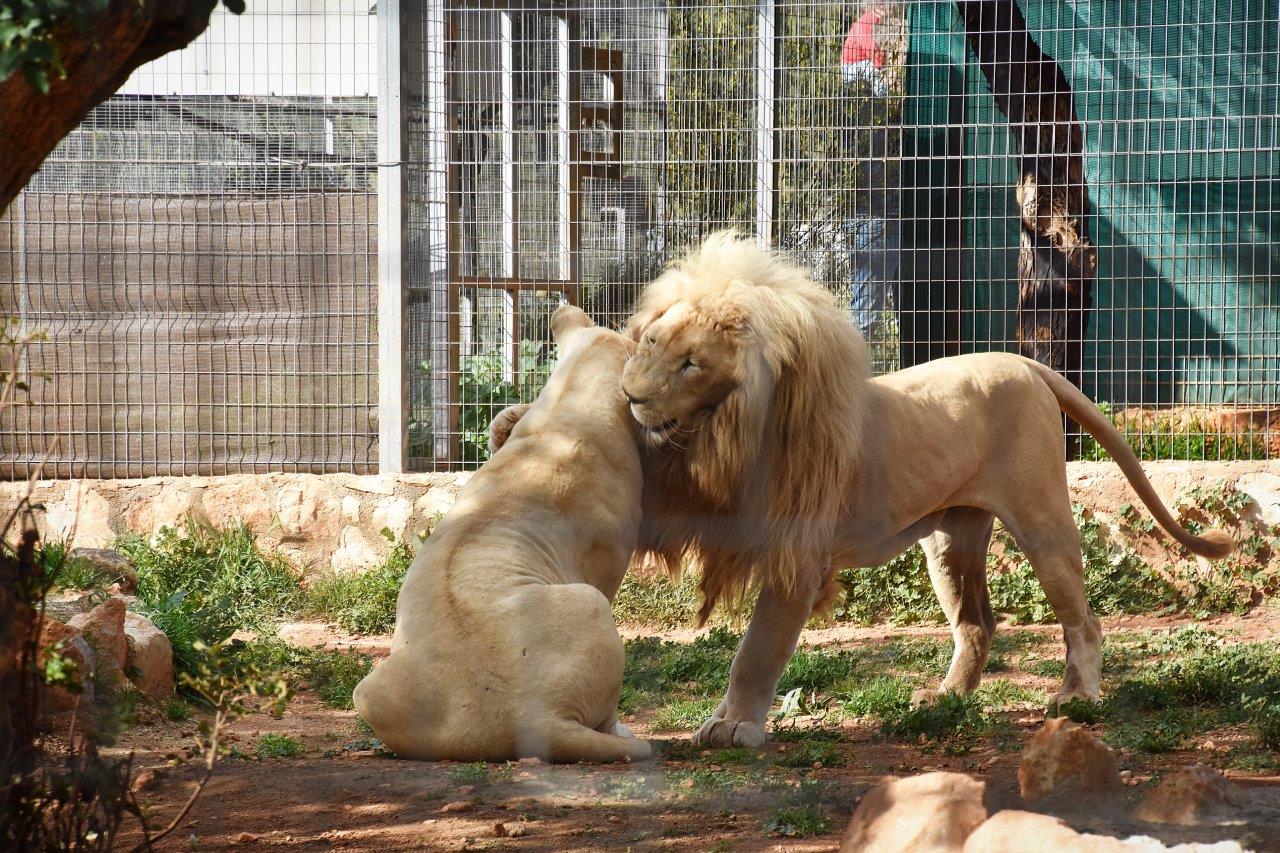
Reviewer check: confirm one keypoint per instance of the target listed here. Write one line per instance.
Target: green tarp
(1179, 103)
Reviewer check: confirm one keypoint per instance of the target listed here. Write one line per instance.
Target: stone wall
(335, 521)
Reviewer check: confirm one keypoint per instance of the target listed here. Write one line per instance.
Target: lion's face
(683, 369)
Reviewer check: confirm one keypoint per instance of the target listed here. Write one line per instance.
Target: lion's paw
(925, 696)
(722, 732)
(622, 730)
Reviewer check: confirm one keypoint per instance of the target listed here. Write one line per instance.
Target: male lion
(752, 387)
(505, 644)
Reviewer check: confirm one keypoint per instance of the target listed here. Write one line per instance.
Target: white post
(766, 74)
(563, 133)
(393, 386)
(510, 213)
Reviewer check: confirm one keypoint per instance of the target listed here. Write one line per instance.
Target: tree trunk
(128, 34)
(1057, 260)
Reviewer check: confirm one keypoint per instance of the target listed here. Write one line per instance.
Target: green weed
(177, 710)
(473, 773)
(881, 698)
(898, 592)
(815, 670)
(952, 718)
(275, 745)
(199, 584)
(1168, 438)
(1266, 725)
(332, 673)
(657, 601)
(811, 752)
(736, 755)
(797, 821)
(363, 603)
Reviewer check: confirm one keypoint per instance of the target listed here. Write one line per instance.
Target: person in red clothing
(861, 58)
(873, 230)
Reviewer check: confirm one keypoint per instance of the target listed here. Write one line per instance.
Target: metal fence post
(393, 387)
(766, 93)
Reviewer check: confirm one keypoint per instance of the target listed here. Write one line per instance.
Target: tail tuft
(1215, 544)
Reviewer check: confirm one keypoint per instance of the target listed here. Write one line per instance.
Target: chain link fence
(204, 252)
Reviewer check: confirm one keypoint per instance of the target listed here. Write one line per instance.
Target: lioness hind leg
(957, 558)
(1052, 544)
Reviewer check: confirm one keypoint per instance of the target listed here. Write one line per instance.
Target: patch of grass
(1001, 693)
(800, 812)
(199, 584)
(657, 601)
(797, 821)
(1246, 757)
(1166, 732)
(880, 698)
(276, 745)
(682, 714)
(332, 673)
(1055, 668)
(1083, 711)
(952, 718)
(1266, 725)
(736, 755)
(808, 753)
(177, 710)
(817, 671)
(473, 773)
(1169, 438)
(363, 603)
(809, 734)
(64, 572)
(918, 654)
(657, 669)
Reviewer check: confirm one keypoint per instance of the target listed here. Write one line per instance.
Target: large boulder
(1066, 763)
(73, 648)
(150, 657)
(103, 627)
(1190, 797)
(932, 812)
(114, 566)
(1028, 832)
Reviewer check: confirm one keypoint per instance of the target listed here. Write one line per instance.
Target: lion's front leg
(763, 654)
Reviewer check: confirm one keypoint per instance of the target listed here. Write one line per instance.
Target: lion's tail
(1213, 544)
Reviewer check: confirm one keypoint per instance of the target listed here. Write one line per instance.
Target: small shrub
(63, 572)
(472, 773)
(1266, 726)
(177, 710)
(363, 603)
(199, 585)
(333, 675)
(899, 591)
(275, 745)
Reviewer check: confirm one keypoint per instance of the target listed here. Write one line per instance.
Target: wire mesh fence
(200, 256)
(205, 261)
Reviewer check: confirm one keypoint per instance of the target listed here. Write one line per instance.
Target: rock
(298, 505)
(76, 650)
(80, 518)
(114, 566)
(351, 508)
(456, 807)
(510, 830)
(63, 605)
(934, 812)
(167, 508)
(1264, 488)
(103, 627)
(244, 838)
(145, 781)
(354, 553)
(437, 501)
(1191, 797)
(243, 500)
(1028, 832)
(149, 657)
(393, 515)
(1064, 760)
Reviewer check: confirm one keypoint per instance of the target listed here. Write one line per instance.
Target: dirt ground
(341, 795)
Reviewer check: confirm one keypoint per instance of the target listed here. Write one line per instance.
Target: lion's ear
(567, 318)
(502, 424)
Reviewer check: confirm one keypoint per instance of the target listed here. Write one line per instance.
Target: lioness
(753, 390)
(504, 643)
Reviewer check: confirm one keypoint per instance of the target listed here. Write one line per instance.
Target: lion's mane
(753, 496)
